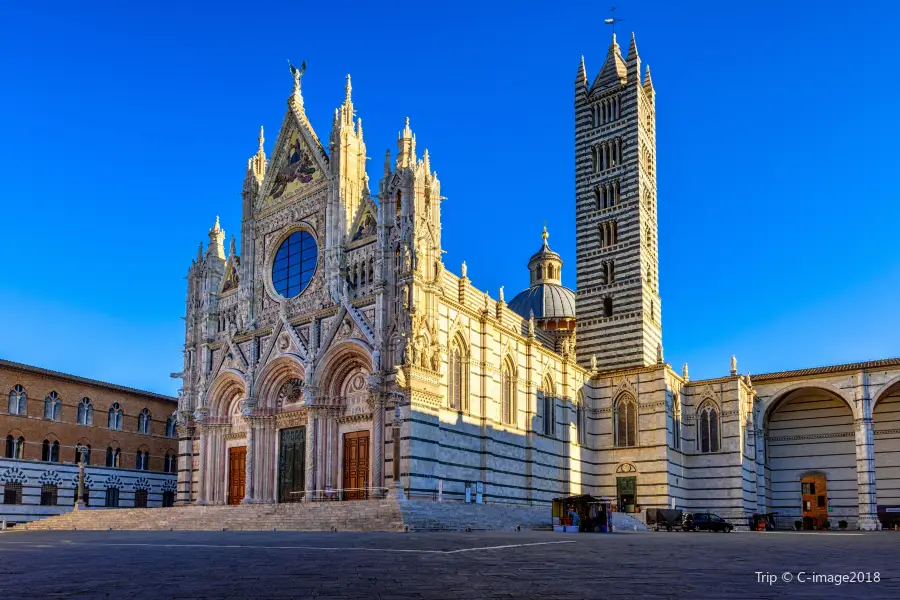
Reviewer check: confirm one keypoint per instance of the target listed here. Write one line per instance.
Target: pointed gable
(299, 160)
(614, 71)
(365, 224)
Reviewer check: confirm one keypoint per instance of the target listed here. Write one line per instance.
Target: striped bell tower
(618, 304)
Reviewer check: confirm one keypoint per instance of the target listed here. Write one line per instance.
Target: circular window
(295, 263)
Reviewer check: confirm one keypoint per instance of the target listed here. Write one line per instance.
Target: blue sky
(127, 127)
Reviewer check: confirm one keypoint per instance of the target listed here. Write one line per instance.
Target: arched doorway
(886, 424)
(810, 433)
(814, 500)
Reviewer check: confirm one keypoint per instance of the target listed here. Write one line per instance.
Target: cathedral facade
(338, 357)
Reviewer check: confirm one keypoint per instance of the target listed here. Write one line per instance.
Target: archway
(345, 430)
(219, 474)
(886, 426)
(810, 431)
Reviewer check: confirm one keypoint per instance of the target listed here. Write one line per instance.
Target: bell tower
(618, 304)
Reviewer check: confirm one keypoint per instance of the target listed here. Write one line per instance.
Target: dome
(546, 301)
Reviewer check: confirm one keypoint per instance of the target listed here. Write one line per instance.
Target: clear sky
(127, 127)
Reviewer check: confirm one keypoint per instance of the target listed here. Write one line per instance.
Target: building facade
(128, 438)
(338, 356)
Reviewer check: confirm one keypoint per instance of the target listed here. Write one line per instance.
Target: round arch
(277, 371)
(340, 361)
(225, 389)
(890, 387)
(778, 398)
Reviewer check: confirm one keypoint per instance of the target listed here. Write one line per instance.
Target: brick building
(130, 436)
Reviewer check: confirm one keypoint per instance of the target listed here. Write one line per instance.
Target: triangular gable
(231, 280)
(298, 161)
(365, 224)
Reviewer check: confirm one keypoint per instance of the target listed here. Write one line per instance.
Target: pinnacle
(262, 138)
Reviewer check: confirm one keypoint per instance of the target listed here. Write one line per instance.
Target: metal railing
(339, 494)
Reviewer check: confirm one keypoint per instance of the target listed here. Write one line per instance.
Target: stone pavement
(96, 564)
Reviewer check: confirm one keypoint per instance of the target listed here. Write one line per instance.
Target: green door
(292, 464)
(626, 492)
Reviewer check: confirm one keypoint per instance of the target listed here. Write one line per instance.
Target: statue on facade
(530, 323)
(593, 363)
(405, 259)
(435, 357)
(733, 365)
(501, 294)
(464, 269)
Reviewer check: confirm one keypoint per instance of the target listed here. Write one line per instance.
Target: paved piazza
(443, 565)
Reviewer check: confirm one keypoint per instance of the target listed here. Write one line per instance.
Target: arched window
(12, 493)
(170, 426)
(625, 419)
(113, 457)
(170, 462)
(708, 428)
(607, 307)
(507, 394)
(53, 407)
(140, 498)
(15, 447)
(142, 460)
(112, 497)
(144, 421)
(85, 412)
(116, 415)
(18, 401)
(548, 406)
(580, 419)
(458, 375)
(49, 494)
(50, 451)
(540, 273)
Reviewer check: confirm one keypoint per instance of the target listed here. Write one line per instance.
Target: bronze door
(356, 465)
(292, 464)
(237, 471)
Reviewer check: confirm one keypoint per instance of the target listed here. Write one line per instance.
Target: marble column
(378, 445)
(311, 424)
(202, 487)
(249, 467)
(865, 472)
(759, 438)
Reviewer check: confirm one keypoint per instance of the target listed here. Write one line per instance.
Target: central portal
(237, 472)
(356, 465)
(292, 464)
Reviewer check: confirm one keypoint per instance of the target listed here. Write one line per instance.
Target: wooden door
(237, 471)
(356, 465)
(814, 497)
(292, 465)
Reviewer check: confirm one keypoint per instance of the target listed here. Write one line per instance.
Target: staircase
(367, 515)
(424, 515)
(626, 522)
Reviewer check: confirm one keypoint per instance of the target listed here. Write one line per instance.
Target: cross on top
(612, 20)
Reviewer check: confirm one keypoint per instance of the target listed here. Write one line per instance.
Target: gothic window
(113, 457)
(12, 493)
(140, 498)
(52, 407)
(708, 428)
(611, 271)
(15, 447)
(144, 421)
(540, 273)
(625, 419)
(458, 375)
(676, 423)
(295, 263)
(507, 393)
(116, 415)
(170, 426)
(50, 451)
(607, 306)
(85, 412)
(548, 408)
(18, 400)
(112, 497)
(170, 462)
(142, 460)
(49, 494)
(580, 419)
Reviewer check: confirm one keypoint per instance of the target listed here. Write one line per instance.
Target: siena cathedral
(339, 358)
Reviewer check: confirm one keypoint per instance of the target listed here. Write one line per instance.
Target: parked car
(706, 522)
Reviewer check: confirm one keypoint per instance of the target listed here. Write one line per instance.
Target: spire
(231, 248)
(200, 252)
(426, 162)
(633, 63)
(257, 163)
(387, 162)
(216, 239)
(581, 77)
(614, 71)
(648, 83)
(406, 144)
(359, 127)
(348, 89)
